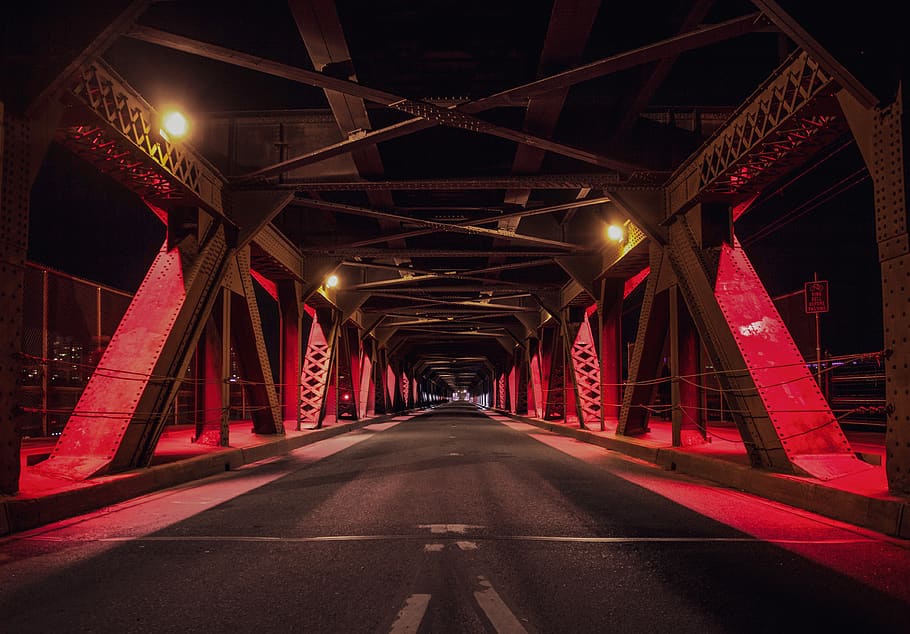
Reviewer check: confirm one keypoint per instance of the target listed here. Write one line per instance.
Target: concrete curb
(890, 516)
(20, 514)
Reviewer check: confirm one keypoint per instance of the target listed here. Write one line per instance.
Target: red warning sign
(817, 296)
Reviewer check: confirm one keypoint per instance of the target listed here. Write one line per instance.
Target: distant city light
(174, 125)
(331, 281)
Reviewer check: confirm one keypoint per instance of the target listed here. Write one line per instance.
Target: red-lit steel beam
(785, 421)
(314, 375)
(687, 417)
(644, 362)
(213, 359)
(290, 306)
(122, 412)
(586, 377)
(252, 355)
(609, 314)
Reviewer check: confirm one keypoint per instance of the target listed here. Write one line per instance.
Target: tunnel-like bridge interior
(558, 209)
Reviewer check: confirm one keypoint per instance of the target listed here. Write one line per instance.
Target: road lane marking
(467, 545)
(410, 616)
(449, 528)
(433, 548)
(520, 538)
(500, 615)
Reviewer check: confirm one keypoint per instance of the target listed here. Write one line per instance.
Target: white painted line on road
(433, 548)
(410, 616)
(454, 453)
(382, 426)
(449, 528)
(519, 538)
(498, 612)
(467, 545)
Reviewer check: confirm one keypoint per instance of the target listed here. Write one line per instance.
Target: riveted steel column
(346, 368)
(882, 134)
(366, 398)
(646, 353)
(213, 360)
(609, 314)
(15, 185)
(585, 392)
(522, 362)
(249, 344)
(687, 426)
(380, 372)
(555, 361)
(779, 409)
(536, 399)
(290, 305)
(121, 414)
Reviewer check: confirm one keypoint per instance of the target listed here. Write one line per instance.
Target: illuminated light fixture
(174, 125)
(616, 233)
(331, 281)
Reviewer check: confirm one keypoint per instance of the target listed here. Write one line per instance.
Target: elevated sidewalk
(861, 499)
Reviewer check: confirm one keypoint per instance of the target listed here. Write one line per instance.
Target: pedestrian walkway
(861, 499)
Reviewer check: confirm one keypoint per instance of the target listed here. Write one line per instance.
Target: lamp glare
(331, 281)
(615, 233)
(175, 124)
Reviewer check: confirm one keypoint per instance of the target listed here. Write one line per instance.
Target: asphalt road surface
(452, 521)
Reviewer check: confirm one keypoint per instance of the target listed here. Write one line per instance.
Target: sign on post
(817, 296)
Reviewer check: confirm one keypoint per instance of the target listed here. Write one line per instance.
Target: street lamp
(174, 125)
(616, 233)
(331, 281)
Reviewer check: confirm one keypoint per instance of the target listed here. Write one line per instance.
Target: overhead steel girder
(64, 59)
(791, 115)
(517, 96)
(122, 410)
(129, 147)
(567, 34)
(500, 219)
(785, 22)
(655, 76)
(421, 109)
(547, 181)
(469, 228)
(126, 145)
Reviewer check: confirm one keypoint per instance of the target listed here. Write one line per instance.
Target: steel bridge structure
(456, 172)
